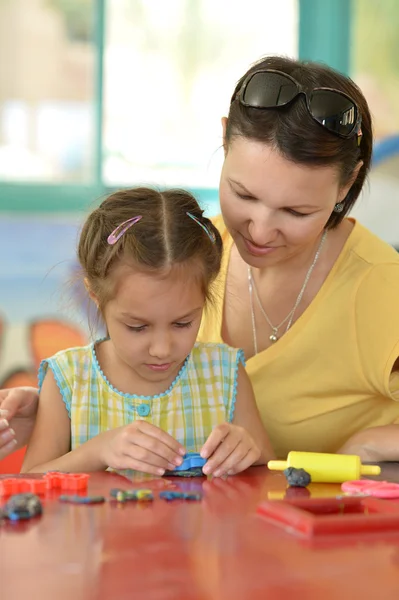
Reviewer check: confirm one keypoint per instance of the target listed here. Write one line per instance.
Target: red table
(216, 549)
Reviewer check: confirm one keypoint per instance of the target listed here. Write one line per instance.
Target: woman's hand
(18, 408)
(230, 449)
(140, 446)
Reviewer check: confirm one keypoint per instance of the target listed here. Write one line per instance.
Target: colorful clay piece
(171, 495)
(191, 460)
(75, 499)
(21, 507)
(297, 477)
(368, 487)
(194, 472)
(132, 495)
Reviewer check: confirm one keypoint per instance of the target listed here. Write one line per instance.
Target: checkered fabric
(202, 395)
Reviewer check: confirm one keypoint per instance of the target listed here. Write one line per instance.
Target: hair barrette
(121, 229)
(209, 233)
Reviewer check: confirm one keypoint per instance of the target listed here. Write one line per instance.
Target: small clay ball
(297, 477)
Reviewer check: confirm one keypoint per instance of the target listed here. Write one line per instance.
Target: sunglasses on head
(331, 108)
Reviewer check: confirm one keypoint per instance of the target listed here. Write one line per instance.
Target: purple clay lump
(297, 477)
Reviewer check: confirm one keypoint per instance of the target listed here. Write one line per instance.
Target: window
(46, 90)
(170, 68)
(375, 68)
(375, 60)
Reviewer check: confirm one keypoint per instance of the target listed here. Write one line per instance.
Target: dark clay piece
(297, 477)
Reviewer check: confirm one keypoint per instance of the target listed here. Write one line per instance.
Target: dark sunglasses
(331, 108)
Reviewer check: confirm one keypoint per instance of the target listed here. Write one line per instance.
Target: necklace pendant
(273, 337)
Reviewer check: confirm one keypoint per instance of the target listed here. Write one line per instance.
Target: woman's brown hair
(293, 132)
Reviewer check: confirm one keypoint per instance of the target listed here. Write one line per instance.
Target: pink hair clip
(209, 233)
(121, 229)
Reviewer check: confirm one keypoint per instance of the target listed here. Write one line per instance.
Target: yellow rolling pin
(326, 468)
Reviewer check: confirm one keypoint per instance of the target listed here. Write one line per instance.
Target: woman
(310, 295)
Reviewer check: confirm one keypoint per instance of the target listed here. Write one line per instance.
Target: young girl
(147, 394)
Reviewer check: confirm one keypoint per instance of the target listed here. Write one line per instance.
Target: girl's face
(153, 322)
(274, 209)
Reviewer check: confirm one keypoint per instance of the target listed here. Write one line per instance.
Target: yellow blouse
(329, 376)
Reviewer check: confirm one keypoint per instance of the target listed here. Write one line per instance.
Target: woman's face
(274, 209)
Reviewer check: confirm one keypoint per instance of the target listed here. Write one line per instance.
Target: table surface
(217, 549)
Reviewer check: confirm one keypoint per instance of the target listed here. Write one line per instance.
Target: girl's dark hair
(164, 238)
(293, 132)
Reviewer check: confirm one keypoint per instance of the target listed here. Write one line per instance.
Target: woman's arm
(49, 447)
(376, 444)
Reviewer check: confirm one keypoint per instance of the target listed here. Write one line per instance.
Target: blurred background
(98, 94)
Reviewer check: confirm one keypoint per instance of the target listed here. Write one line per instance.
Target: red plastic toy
(74, 482)
(66, 481)
(313, 517)
(13, 485)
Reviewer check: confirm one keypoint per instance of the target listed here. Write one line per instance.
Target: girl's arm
(49, 447)
(245, 441)
(247, 415)
(139, 445)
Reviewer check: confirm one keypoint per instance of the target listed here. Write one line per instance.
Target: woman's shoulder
(371, 249)
(372, 265)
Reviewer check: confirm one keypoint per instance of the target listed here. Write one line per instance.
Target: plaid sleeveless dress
(201, 397)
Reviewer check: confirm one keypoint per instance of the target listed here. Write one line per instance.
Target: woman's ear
(90, 292)
(345, 189)
(224, 129)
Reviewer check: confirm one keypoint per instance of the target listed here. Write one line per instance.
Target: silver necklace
(252, 290)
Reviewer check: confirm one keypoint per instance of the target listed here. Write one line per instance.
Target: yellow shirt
(329, 376)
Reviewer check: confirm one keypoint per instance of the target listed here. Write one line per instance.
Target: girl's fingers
(245, 463)
(238, 454)
(221, 454)
(127, 462)
(161, 436)
(142, 445)
(218, 435)
(4, 424)
(7, 449)
(6, 436)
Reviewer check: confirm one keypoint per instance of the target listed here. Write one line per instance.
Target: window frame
(324, 35)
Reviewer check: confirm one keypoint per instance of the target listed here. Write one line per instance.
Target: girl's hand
(140, 446)
(230, 449)
(18, 408)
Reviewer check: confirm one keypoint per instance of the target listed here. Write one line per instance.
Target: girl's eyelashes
(139, 328)
(183, 325)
